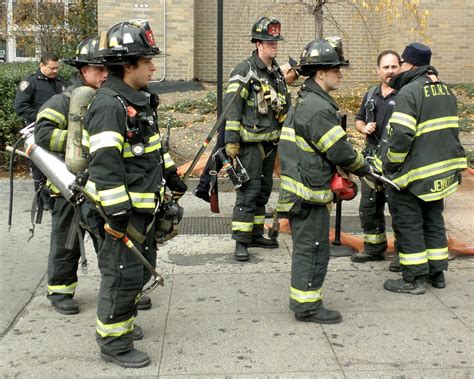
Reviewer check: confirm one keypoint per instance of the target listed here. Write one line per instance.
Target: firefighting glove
(232, 149)
(176, 185)
(117, 225)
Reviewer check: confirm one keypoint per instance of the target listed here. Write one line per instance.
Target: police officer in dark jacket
(252, 131)
(424, 158)
(51, 133)
(312, 144)
(34, 91)
(128, 172)
(371, 120)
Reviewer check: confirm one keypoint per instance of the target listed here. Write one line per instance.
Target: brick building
(188, 34)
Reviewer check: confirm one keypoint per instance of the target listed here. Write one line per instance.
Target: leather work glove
(176, 184)
(232, 149)
(117, 225)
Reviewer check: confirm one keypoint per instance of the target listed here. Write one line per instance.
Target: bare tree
(393, 10)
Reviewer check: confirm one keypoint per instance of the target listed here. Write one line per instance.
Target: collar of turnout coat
(311, 86)
(406, 77)
(131, 95)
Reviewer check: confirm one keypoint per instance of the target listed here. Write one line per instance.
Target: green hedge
(10, 124)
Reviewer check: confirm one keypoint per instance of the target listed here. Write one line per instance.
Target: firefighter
(312, 144)
(51, 134)
(127, 172)
(33, 92)
(371, 121)
(424, 158)
(252, 130)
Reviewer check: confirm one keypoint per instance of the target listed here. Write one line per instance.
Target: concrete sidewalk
(216, 317)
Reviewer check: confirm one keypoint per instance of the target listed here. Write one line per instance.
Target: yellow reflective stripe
(287, 134)
(396, 157)
(303, 145)
(153, 145)
(403, 119)
(233, 87)
(85, 139)
(330, 138)
(258, 220)
(142, 200)
(233, 126)
(441, 194)
(300, 190)
(431, 170)
(358, 163)
(52, 188)
(242, 226)
(375, 238)
(378, 164)
(106, 139)
(54, 116)
(168, 160)
(437, 124)
(437, 254)
(58, 140)
(284, 207)
(113, 196)
(62, 289)
(91, 190)
(115, 330)
(258, 137)
(306, 296)
(413, 259)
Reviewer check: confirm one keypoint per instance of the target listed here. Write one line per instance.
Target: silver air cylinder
(76, 153)
(52, 167)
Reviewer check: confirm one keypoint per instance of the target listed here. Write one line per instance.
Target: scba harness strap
(134, 122)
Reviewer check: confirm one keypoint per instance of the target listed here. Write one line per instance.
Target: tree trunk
(318, 22)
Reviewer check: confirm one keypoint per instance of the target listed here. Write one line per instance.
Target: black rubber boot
(264, 243)
(417, 287)
(363, 257)
(395, 264)
(137, 333)
(241, 253)
(320, 316)
(437, 279)
(144, 303)
(130, 359)
(66, 306)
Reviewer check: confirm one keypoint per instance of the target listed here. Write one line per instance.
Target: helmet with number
(86, 54)
(126, 41)
(322, 53)
(266, 29)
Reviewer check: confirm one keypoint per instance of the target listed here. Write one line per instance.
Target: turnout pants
(62, 262)
(249, 210)
(310, 234)
(122, 278)
(372, 219)
(421, 235)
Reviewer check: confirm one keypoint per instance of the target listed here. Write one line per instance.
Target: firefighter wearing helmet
(128, 172)
(51, 133)
(252, 131)
(312, 144)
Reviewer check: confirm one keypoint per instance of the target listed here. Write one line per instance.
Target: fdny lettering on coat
(436, 90)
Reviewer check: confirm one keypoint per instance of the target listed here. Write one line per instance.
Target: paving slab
(225, 344)
(417, 339)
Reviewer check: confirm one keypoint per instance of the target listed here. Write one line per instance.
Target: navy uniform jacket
(33, 92)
